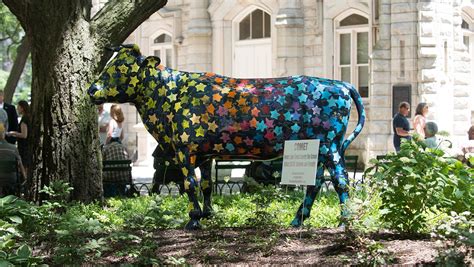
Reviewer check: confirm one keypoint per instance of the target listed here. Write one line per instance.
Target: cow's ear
(152, 61)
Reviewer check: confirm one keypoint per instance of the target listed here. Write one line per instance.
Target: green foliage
(458, 230)
(13, 212)
(418, 180)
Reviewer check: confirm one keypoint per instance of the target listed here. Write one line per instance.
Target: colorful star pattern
(204, 113)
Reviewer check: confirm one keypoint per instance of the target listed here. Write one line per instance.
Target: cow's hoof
(296, 223)
(193, 225)
(342, 226)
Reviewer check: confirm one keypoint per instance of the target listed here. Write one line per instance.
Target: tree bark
(18, 65)
(67, 51)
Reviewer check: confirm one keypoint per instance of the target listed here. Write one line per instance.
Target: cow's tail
(360, 123)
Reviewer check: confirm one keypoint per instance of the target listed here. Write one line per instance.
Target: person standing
(419, 121)
(12, 118)
(401, 125)
(115, 131)
(22, 134)
(103, 121)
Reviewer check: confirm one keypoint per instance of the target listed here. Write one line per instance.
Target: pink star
(225, 137)
(269, 123)
(269, 88)
(248, 141)
(222, 111)
(245, 125)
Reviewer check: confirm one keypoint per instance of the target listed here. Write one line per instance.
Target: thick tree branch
(19, 8)
(18, 65)
(118, 19)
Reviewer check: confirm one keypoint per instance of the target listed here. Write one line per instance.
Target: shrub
(418, 180)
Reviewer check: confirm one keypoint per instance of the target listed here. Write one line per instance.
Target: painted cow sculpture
(204, 114)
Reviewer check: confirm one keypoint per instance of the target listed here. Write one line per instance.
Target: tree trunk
(67, 50)
(18, 65)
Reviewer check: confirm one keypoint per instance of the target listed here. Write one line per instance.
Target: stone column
(199, 37)
(379, 108)
(290, 28)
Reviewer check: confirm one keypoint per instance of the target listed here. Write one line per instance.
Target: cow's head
(120, 81)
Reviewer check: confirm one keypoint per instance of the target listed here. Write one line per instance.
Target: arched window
(162, 47)
(468, 34)
(352, 51)
(255, 25)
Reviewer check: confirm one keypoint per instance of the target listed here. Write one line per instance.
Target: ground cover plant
(254, 228)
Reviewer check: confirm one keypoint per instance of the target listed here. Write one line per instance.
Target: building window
(468, 34)
(162, 47)
(352, 52)
(255, 25)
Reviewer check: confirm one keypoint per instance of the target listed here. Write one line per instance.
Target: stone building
(393, 51)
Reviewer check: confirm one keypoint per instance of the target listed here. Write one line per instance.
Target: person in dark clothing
(401, 125)
(22, 134)
(12, 118)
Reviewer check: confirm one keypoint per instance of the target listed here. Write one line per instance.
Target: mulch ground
(284, 246)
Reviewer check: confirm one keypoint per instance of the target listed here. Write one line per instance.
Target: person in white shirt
(103, 121)
(115, 131)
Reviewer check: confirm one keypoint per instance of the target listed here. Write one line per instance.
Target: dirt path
(285, 246)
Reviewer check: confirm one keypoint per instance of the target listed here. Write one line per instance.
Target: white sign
(300, 162)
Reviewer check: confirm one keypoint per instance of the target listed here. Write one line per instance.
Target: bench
(122, 166)
(228, 164)
(11, 166)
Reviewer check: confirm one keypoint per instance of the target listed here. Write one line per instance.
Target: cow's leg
(340, 179)
(190, 187)
(311, 191)
(206, 187)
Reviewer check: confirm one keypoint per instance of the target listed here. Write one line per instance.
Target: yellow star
(153, 72)
(151, 62)
(153, 119)
(193, 147)
(184, 99)
(165, 74)
(99, 94)
(225, 90)
(134, 80)
(135, 67)
(162, 91)
(152, 84)
(200, 131)
(185, 173)
(184, 137)
(195, 75)
(166, 106)
(185, 124)
(170, 117)
(218, 147)
(151, 103)
(111, 71)
(123, 68)
(185, 111)
(184, 78)
(192, 83)
(200, 87)
(112, 92)
(130, 91)
(204, 118)
(177, 106)
(205, 99)
(195, 119)
(212, 126)
(172, 97)
(204, 184)
(184, 89)
(171, 84)
(167, 139)
(196, 102)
